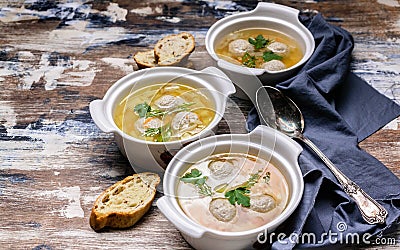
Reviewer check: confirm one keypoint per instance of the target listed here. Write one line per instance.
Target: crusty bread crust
(145, 59)
(174, 49)
(125, 202)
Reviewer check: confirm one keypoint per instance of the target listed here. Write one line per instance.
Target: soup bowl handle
(96, 108)
(223, 83)
(181, 223)
(270, 135)
(278, 11)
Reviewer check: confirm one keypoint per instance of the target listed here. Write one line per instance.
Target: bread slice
(125, 202)
(175, 49)
(145, 59)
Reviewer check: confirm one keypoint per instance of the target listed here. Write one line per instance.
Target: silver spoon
(289, 120)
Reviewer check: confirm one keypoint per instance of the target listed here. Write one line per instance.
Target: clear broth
(125, 117)
(294, 56)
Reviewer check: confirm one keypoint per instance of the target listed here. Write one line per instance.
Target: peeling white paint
(122, 64)
(115, 12)
(5, 72)
(146, 11)
(76, 35)
(397, 26)
(8, 118)
(63, 11)
(393, 125)
(72, 194)
(56, 140)
(169, 19)
(66, 73)
(391, 3)
(10, 15)
(372, 64)
(25, 56)
(81, 36)
(225, 5)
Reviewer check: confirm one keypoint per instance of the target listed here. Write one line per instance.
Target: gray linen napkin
(340, 110)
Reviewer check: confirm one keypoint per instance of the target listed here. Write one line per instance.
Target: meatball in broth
(164, 112)
(232, 192)
(268, 49)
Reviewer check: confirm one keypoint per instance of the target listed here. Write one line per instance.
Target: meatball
(222, 209)
(220, 169)
(239, 47)
(262, 203)
(168, 101)
(185, 121)
(145, 123)
(274, 65)
(278, 48)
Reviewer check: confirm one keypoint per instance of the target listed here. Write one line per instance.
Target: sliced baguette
(125, 202)
(145, 59)
(174, 49)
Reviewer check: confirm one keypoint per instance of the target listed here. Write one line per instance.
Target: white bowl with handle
(264, 142)
(266, 15)
(154, 156)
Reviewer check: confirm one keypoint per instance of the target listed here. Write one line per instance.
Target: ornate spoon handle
(371, 210)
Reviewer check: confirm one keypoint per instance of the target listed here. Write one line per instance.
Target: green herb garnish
(152, 131)
(259, 43)
(252, 180)
(249, 60)
(160, 134)
(142, 109)
(239, 195)
(269, 56)
(194, 177)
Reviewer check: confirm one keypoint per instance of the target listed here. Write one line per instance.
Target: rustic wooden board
(57, 56)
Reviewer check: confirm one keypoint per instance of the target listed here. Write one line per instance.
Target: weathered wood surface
(57, 56)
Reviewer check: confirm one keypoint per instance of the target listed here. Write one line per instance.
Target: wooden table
(56, 57)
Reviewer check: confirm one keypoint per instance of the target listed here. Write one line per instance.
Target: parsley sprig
(142, 109)
(269, 56)
(152, 131)
(259, 43)
(195, 177)
(249, 60)
(160, 134)
(145, 110)
(240, 195)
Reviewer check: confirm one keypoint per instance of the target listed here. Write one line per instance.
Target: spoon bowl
(288, 119)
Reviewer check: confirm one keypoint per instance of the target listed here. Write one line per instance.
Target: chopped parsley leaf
(259, 43)
(269, 56)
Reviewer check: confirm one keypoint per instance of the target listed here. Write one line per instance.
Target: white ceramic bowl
(265, 15)
(154, 156)
(264, 142)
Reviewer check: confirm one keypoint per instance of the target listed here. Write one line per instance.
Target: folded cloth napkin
(340, 110)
